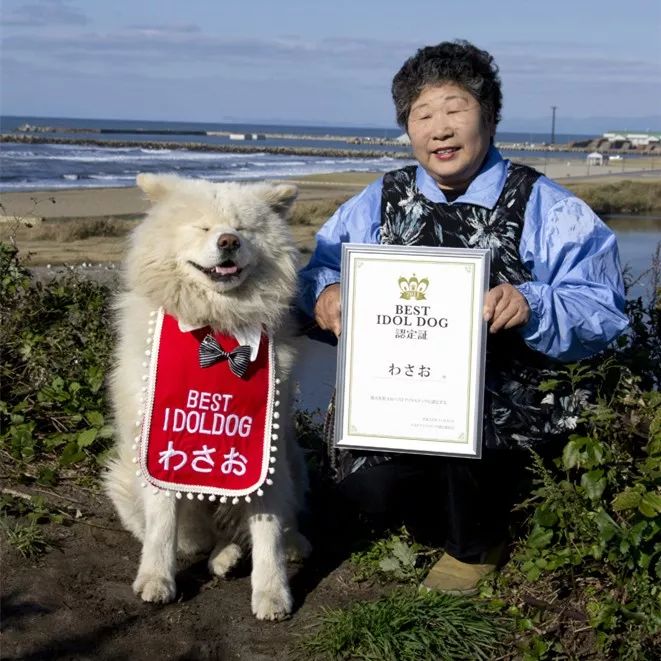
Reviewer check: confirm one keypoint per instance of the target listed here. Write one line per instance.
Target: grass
(314, 212)
(65, 230)
(627, 197)
(27, 538)
(407, 625)
(72, 229)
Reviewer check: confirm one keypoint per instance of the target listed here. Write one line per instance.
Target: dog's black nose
(229, 242)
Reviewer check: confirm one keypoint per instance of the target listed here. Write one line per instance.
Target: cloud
(161, 46)
(359, 70)
(143, 44)
(43, 13)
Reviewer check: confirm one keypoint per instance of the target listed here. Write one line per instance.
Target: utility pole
(553, 125)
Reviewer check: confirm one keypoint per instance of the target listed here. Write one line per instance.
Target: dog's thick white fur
(171, 262)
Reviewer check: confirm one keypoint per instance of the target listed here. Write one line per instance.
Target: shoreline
(81, 226)
(129, 202)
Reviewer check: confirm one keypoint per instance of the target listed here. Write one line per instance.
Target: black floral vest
(516, 413)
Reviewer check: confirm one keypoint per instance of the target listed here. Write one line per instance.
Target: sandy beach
(129, 202)
(320, 193)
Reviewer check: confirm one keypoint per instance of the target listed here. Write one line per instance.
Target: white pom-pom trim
(248, 499)
(223, 499)
(189, 495)
(260, 492)
(212, 497)
(269, 481)
(178, 495)
(235, 500)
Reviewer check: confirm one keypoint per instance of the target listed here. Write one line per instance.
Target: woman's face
(449, 136)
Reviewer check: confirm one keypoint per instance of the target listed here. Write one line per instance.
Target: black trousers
(462, 504)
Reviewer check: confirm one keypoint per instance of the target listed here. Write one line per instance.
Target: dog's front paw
(271, 605)
(297, 547)
(155, 589)
(224, 558)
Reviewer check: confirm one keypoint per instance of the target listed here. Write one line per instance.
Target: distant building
(595, 158)
(637, 139)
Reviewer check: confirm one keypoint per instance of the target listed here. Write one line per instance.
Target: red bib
(204, 429)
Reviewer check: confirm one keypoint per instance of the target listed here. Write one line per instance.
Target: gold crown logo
(413, 288)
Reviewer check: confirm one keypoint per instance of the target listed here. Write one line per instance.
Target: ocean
(58, 166)
(52, 166)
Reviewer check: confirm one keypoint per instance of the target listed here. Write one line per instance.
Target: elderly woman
(556, 294)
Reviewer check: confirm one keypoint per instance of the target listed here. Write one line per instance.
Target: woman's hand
(505, 307)
(327, 312)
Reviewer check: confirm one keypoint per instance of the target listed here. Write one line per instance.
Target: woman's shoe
(452, 576)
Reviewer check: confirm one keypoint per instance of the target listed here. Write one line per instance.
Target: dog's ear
(156, 186)
(281, 198)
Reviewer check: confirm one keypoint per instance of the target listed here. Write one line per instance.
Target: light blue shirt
(576, 296)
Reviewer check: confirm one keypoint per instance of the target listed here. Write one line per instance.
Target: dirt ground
(76, 602)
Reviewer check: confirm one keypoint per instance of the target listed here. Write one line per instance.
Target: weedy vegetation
(624, 197)
(583, 579)
(56, 338)
(408, 626)
(397, 557)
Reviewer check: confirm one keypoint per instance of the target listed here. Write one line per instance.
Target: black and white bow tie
(211, 352)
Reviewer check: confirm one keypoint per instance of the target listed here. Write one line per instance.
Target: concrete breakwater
(29, 129)
(359, 149)
(202, 147)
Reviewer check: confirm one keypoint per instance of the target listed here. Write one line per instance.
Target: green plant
(34, 509)
(396, 557)
(56, 338)
(28, 539)
(408, 625)
(595, 528)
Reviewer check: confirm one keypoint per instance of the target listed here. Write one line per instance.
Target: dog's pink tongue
(226, 270)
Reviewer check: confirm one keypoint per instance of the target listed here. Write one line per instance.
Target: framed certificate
(410, 371)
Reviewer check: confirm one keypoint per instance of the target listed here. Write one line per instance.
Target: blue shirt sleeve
(358, 220)
(576, 296)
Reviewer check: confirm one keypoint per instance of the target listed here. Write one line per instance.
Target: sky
(305, 61)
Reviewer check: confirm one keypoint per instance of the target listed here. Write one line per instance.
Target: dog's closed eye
(204, 229)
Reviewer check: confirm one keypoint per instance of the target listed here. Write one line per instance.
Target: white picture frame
(411, 354)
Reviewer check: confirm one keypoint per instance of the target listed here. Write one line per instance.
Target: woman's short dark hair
(457, 62)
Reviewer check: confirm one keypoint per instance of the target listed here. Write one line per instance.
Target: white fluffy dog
(217, 255)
